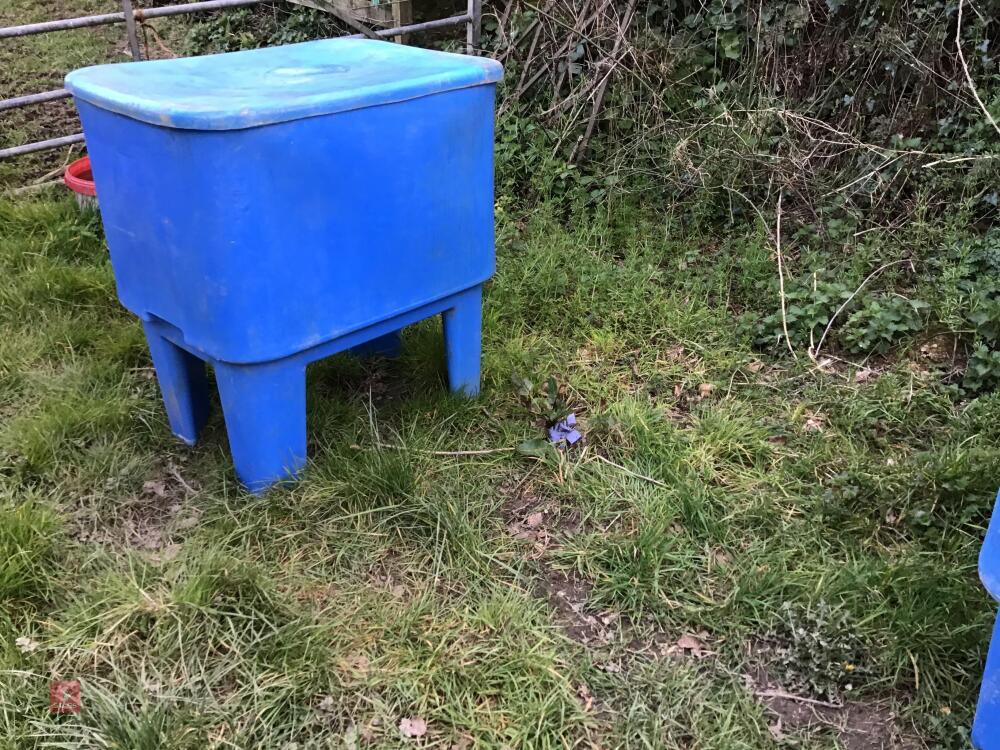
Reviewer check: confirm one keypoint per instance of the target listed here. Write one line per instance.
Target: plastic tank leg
(265, 409)
(986, 726)
(388, 345)
(183, 384)
(463, 341)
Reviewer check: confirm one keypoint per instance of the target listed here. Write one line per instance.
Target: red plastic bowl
(79, 178)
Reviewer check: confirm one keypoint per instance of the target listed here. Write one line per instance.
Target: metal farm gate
(130, 16)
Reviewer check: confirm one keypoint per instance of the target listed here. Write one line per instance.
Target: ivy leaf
(732, 45)
(535, 448)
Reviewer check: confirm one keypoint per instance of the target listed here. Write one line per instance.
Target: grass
(737, 526)
(778, 518)
(37, 63)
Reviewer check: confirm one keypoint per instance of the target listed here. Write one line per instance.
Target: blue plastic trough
(268, 208)
(986, 727)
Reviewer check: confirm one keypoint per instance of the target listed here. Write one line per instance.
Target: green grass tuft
(505, 599)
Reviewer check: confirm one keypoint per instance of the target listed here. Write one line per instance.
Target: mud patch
(568, 594)
(858, 725)
(533, 518)
(537, 523)
(147, 522)
(391, 576)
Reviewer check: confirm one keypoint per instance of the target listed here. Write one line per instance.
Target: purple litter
(563, 431)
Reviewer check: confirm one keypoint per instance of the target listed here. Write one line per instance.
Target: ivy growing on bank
(858, 113)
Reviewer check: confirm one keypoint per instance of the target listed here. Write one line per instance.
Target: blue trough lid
(277, 84)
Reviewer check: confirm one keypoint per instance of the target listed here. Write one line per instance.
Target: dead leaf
(533, 520)
(689, 645)
(413, 727)
(864, 375)
(165, 555)
(149, 539)
(155, 487)
(350, 737)
(814, 422)
(26, 645)
(398, 591)
(721, 559)
(705, 390)
(776, 730)
(755, 366)
(358, 663)
(675, 353)
(584, 694)
(154, 687)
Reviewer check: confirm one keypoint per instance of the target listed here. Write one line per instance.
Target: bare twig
(959, 159)
(580, 149)
(345, 16)
(631, 473)
(797, 698)
(485, 452)
(527, 63)
(158, 39)
(781, 276)
(34, 186)
(965, 67)
(57, 172)
(865, 176)
(814, 353)
(177, 475)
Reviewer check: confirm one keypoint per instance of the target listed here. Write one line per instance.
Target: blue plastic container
(268, 208)
(986, 727)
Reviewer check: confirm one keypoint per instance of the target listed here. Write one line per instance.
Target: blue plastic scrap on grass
(268, 208)
(564, 431)
(986, 727)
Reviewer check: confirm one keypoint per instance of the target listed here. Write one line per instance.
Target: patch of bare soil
(540, 522)
(940, 356)
(388, 576)
(377, 380)
(147, 522)
(858, 725)
(531, 517)
(537, 523)
(567, 595)
(940, 349)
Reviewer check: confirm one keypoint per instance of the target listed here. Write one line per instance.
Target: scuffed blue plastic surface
(986, 727)
(267, 86)
(260, 249)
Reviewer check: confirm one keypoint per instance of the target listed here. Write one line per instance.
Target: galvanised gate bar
(130, 16)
